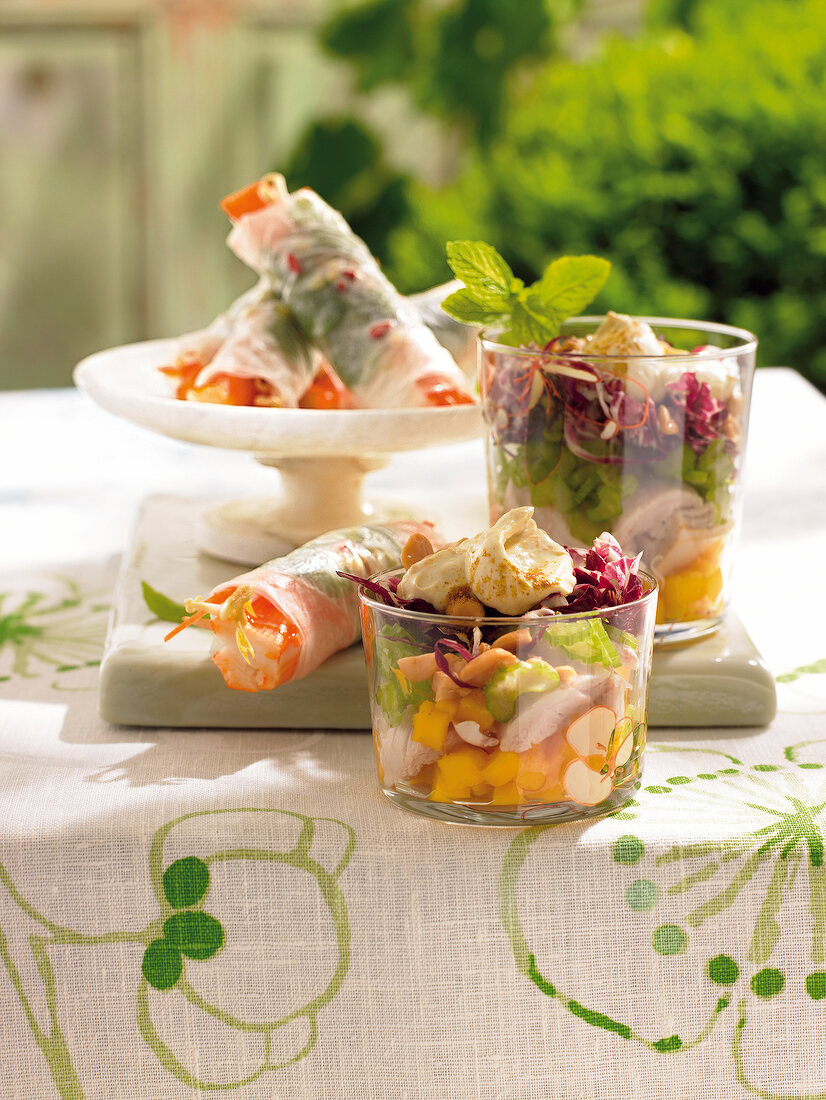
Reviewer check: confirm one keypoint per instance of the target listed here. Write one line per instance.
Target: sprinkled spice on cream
(510, 567)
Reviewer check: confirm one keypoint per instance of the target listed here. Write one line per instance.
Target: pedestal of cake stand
(317, 494)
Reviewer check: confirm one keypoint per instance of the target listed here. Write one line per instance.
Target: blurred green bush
(695, 162)
(456, 61)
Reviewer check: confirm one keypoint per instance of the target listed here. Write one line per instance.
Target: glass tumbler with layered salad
(500, 719)
(634, 426)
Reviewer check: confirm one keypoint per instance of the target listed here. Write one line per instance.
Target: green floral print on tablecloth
(186, 930)
(674, 897)
(59, 627)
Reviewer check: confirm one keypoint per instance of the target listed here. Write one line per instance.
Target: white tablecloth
(333, 946)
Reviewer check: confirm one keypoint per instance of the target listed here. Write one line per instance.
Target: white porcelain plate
(126, 381)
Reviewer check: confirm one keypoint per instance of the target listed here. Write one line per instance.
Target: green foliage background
(693, 157)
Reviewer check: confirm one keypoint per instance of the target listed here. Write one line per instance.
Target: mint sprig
(492, 297)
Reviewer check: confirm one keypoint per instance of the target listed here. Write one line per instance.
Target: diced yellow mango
(472, 708)
(431, 721)
(460, 769)
(552, 793)
(531, 781)
(690, 594)
(507, 795)
(502, 768)
(482, 791)
(438, 794)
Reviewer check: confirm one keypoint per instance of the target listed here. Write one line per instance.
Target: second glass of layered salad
(635, 426)
(508, 675)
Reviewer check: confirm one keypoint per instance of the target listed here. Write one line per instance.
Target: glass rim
(748, 340)
(437, 619)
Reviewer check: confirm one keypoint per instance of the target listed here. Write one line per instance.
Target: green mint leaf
(462, 306)
(529, 322)
(483, 271)
(570, 284)
(161, 606)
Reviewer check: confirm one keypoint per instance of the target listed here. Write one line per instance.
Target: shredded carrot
(190, 620)
(245, 201)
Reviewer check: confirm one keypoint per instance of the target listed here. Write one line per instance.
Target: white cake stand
(323, 456)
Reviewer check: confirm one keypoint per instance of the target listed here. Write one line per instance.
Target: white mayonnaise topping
(721, 375)
(434, 578)
(620, 335)
(510, 567)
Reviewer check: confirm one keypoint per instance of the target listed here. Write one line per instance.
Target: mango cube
(431, 721)
(531, 781)
(507, 795)
(472, 708)
(461, 769)
(482, 791)
(502, 768)
(438, 794)
(691, 593)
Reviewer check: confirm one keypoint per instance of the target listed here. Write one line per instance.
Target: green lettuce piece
(502, 691)
(585, 641)
(392, 696)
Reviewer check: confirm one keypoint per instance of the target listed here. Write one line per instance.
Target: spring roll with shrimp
(371, 335)
(254, 354)
(280, 621)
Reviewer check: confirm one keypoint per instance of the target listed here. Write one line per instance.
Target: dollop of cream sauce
(620, 335)
(509, 567)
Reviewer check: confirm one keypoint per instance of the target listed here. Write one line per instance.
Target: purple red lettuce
(704, 415)
(604, 577)
(387, 593)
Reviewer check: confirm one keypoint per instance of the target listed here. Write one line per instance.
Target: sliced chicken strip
(399, 755)
(670, 524)
(555, 710)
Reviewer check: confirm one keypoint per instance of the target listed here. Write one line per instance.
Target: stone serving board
(719, 681)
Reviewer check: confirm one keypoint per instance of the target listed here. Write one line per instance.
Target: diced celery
(622, 637)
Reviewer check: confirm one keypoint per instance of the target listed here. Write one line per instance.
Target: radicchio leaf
(704, 414)
(441, 660)
(387, 593)
(605, 578)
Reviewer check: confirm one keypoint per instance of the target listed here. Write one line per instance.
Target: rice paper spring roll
(280, 621)
(253, 354)
(266, 343)
(372, 336)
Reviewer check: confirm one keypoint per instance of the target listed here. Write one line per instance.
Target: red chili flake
(381, 328)
(351, 275)
(294, 262)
